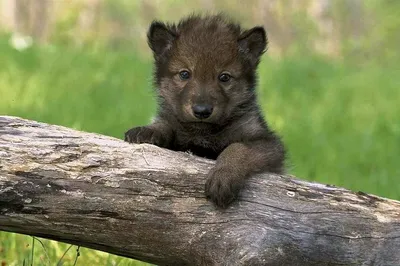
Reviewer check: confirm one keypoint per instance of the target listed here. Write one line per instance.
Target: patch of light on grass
(20, 42)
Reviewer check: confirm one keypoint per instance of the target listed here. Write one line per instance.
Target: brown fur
(234, 133)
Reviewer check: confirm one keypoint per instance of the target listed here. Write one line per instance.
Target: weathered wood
(147, 203)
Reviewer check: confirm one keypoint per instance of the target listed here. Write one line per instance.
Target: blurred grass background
(329, 84)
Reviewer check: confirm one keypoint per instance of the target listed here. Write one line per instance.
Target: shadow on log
(147, 203)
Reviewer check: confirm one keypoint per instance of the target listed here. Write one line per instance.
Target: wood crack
(100, 192)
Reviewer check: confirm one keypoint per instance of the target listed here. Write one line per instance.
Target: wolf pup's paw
(223, 185)
(146, 135)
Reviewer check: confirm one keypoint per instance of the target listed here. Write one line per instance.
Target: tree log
(148, 203)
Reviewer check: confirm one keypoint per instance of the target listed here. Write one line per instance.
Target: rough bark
(147, 203)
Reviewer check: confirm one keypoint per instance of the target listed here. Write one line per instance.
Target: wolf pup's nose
(202, 111)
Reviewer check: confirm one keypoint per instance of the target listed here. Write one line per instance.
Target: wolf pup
(205, 75)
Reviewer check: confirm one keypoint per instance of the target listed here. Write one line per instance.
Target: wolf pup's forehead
(207, 36)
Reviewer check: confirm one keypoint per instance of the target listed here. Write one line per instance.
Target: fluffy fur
(205, 77)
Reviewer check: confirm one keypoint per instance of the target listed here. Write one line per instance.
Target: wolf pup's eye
(184, 75)
(224, 77)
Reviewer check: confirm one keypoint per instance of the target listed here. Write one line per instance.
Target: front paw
(223, 185)
(146, 135)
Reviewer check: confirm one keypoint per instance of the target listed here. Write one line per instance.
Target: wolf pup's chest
(209, 146)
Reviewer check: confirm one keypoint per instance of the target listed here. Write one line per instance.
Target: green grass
(16, 249)
(340, 122)
(96, 91)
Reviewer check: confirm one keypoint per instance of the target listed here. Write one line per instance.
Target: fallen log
(147, 203)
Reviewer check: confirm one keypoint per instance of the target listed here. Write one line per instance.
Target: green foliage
(383, 38)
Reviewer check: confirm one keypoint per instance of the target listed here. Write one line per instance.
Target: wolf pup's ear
(160, 38)
(252, 44)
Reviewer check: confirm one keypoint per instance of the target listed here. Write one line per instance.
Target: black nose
(202, 111)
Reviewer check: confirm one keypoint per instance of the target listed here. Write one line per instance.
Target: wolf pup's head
(205, 68)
